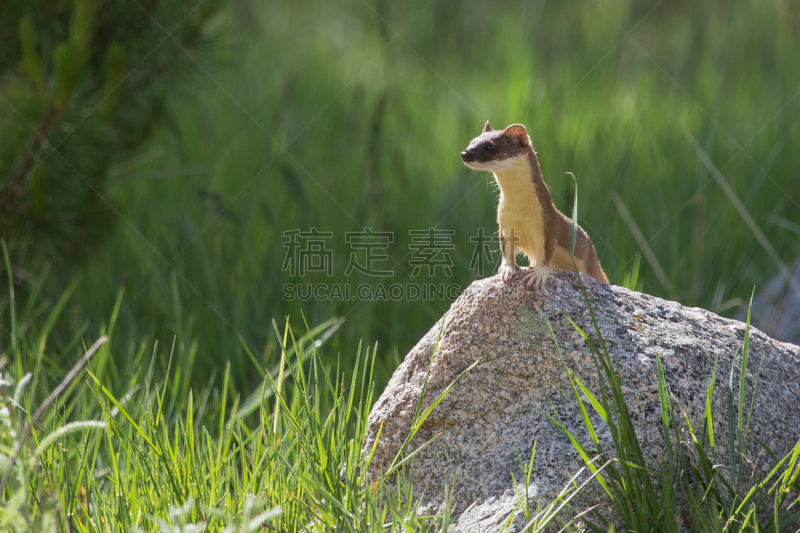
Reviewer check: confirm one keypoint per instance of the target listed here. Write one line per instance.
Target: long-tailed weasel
(526, 215)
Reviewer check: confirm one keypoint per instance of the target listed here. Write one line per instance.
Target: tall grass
(152, 454)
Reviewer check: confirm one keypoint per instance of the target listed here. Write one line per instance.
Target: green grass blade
(574, 231)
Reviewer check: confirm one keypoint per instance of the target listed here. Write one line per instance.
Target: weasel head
(497, 150)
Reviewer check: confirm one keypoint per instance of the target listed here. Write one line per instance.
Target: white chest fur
(519, 209)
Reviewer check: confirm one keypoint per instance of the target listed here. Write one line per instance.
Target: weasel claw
(536, 277)
(507, 272)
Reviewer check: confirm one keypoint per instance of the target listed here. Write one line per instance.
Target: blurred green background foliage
(169, 165)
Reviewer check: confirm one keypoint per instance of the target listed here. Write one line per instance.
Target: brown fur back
(559, 227)
(585, 254)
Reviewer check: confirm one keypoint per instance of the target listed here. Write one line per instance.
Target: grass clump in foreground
(691, 490)
(155, 456)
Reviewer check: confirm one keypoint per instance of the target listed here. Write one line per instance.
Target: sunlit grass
(153, 455)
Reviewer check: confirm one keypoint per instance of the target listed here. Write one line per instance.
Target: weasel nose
(466, 155)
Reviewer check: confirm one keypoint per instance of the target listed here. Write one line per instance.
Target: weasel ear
(487, 127)
(517, 131)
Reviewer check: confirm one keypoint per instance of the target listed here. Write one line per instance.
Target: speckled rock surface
(497, 408)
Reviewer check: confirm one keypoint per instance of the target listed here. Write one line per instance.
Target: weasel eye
(490, 148)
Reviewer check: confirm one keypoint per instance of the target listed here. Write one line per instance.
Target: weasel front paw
(537, 276)
(507, 271)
